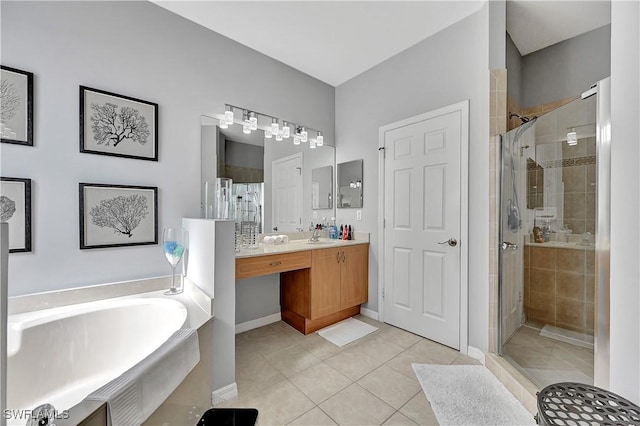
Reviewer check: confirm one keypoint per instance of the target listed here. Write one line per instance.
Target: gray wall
(567, 68)
(244, 155)
(141, 50)
(514, 72)
(447, 68)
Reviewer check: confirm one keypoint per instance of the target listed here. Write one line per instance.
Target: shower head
(521, 117)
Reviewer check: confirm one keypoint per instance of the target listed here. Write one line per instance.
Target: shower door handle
(507, 245)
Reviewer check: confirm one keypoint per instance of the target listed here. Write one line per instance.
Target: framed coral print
(15, 209)
(117, 215)
(118, 125)
(16, 102)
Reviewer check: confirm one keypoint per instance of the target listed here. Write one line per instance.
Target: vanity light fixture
(228, 114)
(572, 138)
(253, 120)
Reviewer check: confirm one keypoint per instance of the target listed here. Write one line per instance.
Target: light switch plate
(358, 214)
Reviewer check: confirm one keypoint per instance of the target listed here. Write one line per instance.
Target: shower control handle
(507, 245)
(451, 241)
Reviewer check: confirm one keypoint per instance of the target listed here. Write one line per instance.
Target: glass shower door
(516, 146)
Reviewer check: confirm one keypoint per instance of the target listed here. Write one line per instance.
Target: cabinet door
(325, 282)
(354, 275)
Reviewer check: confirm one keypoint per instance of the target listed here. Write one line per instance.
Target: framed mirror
(249, 160)
(350, 184)
(322, 188)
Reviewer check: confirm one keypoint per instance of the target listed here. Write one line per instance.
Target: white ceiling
(334, 41)
(534, 25)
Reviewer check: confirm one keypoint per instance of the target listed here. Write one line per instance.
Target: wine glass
(174, 242)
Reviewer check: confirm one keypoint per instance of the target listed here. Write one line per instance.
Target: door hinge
(383, 292)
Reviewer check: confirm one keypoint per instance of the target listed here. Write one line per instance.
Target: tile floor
(548, 361)
(294, 379)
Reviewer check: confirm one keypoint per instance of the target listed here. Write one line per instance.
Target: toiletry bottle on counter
(345, 233)
(349, 237)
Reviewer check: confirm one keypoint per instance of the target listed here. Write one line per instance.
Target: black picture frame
(16, 91)
(102, 128)
(100, 227)
(15, 209)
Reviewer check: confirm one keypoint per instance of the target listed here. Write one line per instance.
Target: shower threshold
(567, 336)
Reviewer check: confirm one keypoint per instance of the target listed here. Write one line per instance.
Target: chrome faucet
(316, 236)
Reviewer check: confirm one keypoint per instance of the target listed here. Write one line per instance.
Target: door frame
(463, 108)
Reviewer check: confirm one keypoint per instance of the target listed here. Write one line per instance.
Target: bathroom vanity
(320, 283)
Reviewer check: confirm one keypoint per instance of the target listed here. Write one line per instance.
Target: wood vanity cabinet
(330, 291)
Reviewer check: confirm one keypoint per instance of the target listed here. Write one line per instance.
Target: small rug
(469, 395)
(346, 331)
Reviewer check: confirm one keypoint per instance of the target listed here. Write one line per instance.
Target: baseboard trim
(475, 353)
(256, 323)
(224, 394)
(369, 313)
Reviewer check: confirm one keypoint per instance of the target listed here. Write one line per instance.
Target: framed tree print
(15, 209)
(118, 125)
(16, 102)
(117, 215)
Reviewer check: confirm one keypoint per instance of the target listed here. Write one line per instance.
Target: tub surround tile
(570, 285)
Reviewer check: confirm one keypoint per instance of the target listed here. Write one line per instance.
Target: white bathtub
(60, 355)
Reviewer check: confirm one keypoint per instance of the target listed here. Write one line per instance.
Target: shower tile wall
(559, 286)
(579, 178)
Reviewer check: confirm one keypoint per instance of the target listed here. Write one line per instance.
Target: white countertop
(297, 245)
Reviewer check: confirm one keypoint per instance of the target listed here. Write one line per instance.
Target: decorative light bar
(272, 130)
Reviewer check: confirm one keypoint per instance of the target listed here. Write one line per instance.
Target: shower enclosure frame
(603, 231)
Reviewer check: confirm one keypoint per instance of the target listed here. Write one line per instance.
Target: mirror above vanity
(258, 161)
(350, 184)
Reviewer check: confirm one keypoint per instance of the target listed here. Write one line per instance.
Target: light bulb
(320, 139)
(228, 114)
(279, 136)
(312, 144)
(267, 133)
(274, 126)
(286, 130)
(246, 129)
(296, 140)
(253, 121)
(303, 135)
(223, 124)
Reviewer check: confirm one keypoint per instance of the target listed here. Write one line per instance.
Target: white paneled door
(422, 224)
(287, 193)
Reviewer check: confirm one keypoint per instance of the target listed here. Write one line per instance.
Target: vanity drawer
(272, 264)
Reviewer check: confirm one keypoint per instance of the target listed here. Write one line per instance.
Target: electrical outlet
(358, 214)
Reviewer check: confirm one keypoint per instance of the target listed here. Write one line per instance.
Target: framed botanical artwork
(117, 215)
(118, 125)
(15, 209)
(16, 101)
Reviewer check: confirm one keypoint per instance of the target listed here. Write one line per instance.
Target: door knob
(507, 245)
(451, 241)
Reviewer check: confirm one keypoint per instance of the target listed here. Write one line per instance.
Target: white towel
(136, 394)
(268, 240)
(278, 239)
(285, 238)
